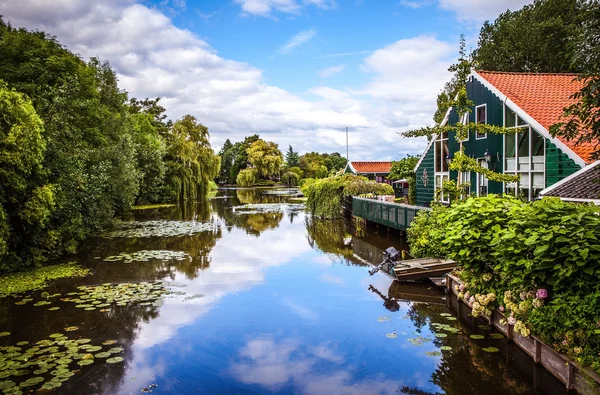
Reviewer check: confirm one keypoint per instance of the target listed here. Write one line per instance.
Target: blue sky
(295, 71)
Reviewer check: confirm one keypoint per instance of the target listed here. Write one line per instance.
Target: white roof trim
(532, 122)
(444, 122)
(569, 178)
(352, 169)
(579, 200)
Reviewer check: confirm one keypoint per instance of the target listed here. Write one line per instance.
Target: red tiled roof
(543, 96)
(372, 167)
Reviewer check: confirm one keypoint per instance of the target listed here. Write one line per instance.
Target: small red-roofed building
(529, 103)
(377, 171)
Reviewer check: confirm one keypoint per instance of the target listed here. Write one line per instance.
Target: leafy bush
(290, 178)
(325, 195)
(247, 178)
(542, 257)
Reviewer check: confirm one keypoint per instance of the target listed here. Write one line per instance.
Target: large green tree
(191, 162)
(292, 159)
(539, 37)
(265, 157)
(227, 155)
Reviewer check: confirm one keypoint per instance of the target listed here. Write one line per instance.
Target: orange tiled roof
(543, 96)
(372, 167)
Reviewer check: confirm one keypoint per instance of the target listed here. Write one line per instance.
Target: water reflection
(265, 307)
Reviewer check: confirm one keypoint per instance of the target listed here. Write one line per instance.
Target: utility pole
(347, 155)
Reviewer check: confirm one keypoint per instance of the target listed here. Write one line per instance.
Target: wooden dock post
(537, 352)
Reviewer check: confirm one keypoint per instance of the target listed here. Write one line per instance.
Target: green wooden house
(528, 102)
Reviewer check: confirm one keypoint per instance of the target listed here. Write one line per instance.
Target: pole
(347, 155)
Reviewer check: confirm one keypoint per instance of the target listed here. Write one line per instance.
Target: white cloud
(266, 7)
(297, 40)
(416, 3)
(480, 10)
(155, 58)
(329, 71)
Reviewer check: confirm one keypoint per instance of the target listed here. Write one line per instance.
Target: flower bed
(560, 365)
(537, 263)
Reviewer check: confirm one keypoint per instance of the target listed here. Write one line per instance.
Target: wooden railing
(394, 215)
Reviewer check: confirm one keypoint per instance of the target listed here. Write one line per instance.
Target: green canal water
(245, 294)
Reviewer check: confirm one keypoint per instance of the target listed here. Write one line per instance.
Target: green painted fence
(394, 215)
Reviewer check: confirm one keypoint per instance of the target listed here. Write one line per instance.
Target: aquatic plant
(147, 255)
(161, 228)
(36, 279)
(144, 293)
(49, 361)
(268, 208)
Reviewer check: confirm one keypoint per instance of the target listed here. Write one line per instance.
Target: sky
(297, 72)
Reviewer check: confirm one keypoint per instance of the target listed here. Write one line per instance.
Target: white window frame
(481, 177)
(477, 121)
(465, 121)
(529, 172)
(442, 174)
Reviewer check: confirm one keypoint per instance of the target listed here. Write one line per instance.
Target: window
(441, 165)
(465, 121)
(465, 180)
(481, 117)
(482, 181)
(524, 153)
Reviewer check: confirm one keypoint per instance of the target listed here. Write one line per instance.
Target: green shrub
(247, 178)
(325, 195)
(511, 254)
(290, 178)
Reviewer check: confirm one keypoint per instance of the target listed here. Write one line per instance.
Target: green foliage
(404, 169)
(247, 178)
(505, 244)
(191, 162)
(227, 156)
(76, 152)
(290, 178)
(292, 159)
(324, 196)
(240, 156)
(537, 38)
(37, 279)
(316, 165)
(265, 157)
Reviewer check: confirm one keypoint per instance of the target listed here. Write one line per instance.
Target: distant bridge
(394, 215)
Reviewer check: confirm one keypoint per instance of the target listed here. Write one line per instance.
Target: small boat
(414, 269)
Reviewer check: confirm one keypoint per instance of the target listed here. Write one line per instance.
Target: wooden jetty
(418, 269)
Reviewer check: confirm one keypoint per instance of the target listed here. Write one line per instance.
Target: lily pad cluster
(101, 296)
(161, 228)
(33, 280)
(283, 192)
(147, 255)
(268, 208)
(48, 363)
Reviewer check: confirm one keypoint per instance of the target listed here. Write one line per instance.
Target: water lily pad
(109, 342)
(114, 360)
(93, 348)
(105, 354)
(446, 348)
(89, 308)
(23, 343)
(497, 336)
(85, 362)
(2, 334)
(54, 308)
(433, 353)
(441, 335)
(50, 385)
(115, 350)
(32, 381)
(490, 349)
(445, 314)
(451, 318)
(42, 303)
(83, 341)
(71, 328)
(6, 384)
(477, 337)
(55, 335)
(392, 335)
(383, 319)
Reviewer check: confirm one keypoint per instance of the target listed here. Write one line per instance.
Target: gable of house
(531, 152)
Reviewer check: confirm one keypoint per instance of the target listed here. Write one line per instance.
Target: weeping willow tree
(191, 162)
(462, 105)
